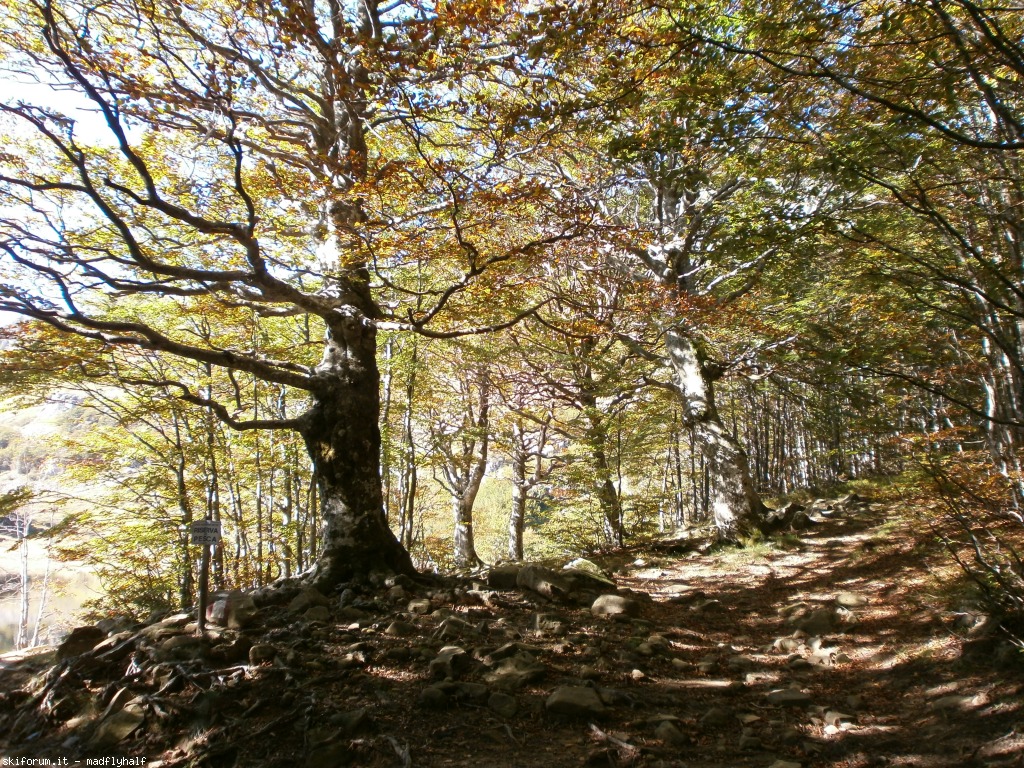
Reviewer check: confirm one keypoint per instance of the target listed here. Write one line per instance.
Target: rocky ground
(833, 647)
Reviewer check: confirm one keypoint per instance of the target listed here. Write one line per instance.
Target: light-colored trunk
(735, 507)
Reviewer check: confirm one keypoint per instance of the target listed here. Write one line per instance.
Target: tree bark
(736, 508)
(520, 489)
(342, 435)
(466, 492)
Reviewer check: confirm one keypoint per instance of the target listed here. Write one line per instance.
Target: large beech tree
(287, 162)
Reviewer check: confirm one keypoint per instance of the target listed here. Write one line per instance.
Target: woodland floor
(898, 681)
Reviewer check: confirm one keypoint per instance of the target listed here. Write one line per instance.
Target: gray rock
(350, 613)
(801, 521)
(512, 649)
(567, 586)
(503, 577)
(785, 764)
(503, 704)
(453, 628)
(118, 726)
(475, 692)
(262, 652)
(401, 629)
(420, 607)
(615, 605)
(582, 565)
(788, 697)
(352, 722)
(450, 662)
(515, 672)
(670, 734)
(231, 608)
(432, 697)
(851, 600)
(819, 622)
(574, 701)
(397, 594)
(788, 644)
(952, 702)
(551, 623)
(180, 648)
(306, 599)
(750, 743)
(659, 643)
(319, 613)
(81, 640)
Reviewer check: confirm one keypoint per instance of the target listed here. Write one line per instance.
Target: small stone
(515, 672)
(118, 726)
(551, 623)
(952, 702)
(750, 743)
(352, 722)
(397, 594)
(420, 607)
(679, 665)
(503, 704)
(837, 718)
(574, 701)
(790, 735)
(318, 613)
(450, 662)
(787, 644)
(401, 629)
(471, 692)
(262, 652)
(819, 622)
(433, 697)
(851, 600)
(669, 734)
(587, 566)
(615, 605)
(306, 599)
(637, 675)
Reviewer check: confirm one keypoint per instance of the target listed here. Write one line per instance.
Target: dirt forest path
(832, 647)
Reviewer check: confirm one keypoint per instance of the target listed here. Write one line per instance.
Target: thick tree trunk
(736, 508)
(465, 545)
(342, 436)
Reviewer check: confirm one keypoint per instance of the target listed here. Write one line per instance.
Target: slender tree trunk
(465, 498)
(735, 507)
(517, 515)
(26, 581)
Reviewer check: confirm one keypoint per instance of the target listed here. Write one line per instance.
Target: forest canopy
(333, 272)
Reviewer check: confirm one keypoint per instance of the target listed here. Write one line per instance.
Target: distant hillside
(33, 450)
